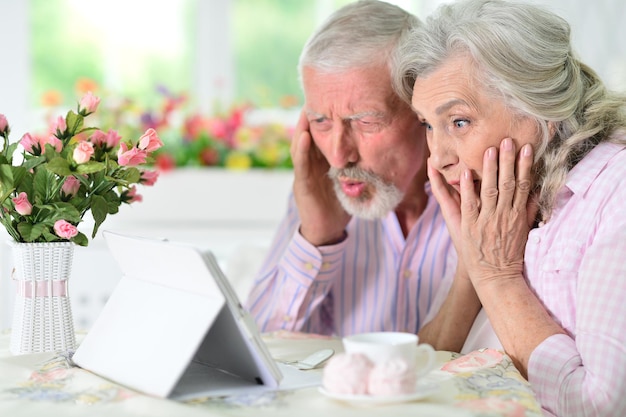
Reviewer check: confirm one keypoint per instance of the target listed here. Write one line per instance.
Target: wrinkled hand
(323, 218)
(450, 202)
(495, 225)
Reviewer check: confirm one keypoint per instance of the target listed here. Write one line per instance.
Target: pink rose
(22, 205)
(54, 141)
(131, 196)
(65, 230)
(131, 157)
(4, 125)
(88, 104)
(60, 126)
(106, 141)
(148, 177)
(30, 144)
(70, 186)
(83, 152)
(150, 141)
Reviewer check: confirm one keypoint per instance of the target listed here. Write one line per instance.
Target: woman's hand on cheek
(450, 202)
(495, 225)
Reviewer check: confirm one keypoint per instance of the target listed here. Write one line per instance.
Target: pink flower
(4, 125)
(131, 157)
(88, 104)
(30, 144)
(148, 177)
(22, 205)
(60, 126)
(483, 358)
(65, 230)
(106, 141)
(37, 145)
(70, 186)
(54, 141)
(131, 195)
(150, 141)
(83, 152)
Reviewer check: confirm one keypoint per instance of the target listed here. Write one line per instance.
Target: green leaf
(49, 236)
(6, 178)
(30, 232)
(113, 201)
(129, 175)
(74, 122)
(19, 175)
(33, 162)
(99, 210)
(7, 155)
(80, 239)
(43, 186)
(59, 166)
(90, 167)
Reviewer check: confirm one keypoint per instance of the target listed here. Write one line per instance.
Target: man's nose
(344, 150)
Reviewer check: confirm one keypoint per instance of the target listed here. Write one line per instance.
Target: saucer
(422, 391)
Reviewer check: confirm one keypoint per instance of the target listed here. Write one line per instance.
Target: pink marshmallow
(391, 378)
(347, 374)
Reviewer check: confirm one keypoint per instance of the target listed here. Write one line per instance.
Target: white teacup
(382, 346)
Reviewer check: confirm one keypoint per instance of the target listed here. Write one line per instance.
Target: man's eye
(427, 125)
(321, 123)
(367, 125)
(461, 123)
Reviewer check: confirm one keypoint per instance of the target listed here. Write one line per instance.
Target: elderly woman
(528, 161)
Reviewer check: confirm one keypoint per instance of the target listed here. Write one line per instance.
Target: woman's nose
(441, 151)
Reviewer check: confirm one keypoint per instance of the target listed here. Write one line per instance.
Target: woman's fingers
(507, 183)
(524, 178)
(449, 201)
(489, 189)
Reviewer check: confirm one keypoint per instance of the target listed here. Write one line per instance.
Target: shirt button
(286, 319)
(407, 274)
(326, 265)
(308, 266)
(536, 239)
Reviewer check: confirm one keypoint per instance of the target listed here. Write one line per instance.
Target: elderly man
(363, 246)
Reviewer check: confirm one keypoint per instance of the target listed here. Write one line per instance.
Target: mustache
(354, 173)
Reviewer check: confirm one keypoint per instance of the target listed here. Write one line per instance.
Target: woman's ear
(552, 129)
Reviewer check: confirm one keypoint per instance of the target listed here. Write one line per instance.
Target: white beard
(377, 202)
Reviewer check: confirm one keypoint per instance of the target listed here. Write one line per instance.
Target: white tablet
(174, 328)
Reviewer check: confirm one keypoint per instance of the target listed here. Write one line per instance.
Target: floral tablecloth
(483, 383)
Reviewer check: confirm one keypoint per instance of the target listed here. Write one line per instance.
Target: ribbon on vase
(49, 288)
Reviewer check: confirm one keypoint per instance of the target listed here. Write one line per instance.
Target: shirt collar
(583, 174)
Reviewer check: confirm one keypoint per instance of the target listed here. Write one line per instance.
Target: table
(482, 383)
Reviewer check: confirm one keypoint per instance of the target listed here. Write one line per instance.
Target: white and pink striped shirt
(374, 280)
(576, 264)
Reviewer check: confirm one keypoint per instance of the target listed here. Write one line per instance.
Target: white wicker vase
(42, 317)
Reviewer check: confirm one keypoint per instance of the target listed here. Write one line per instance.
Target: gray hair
(359, 34)
(523, 56)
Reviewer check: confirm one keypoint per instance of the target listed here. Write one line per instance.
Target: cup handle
(426, 349)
